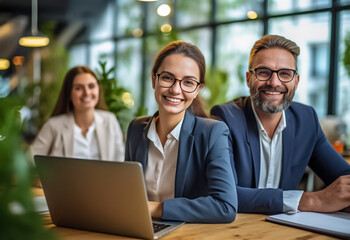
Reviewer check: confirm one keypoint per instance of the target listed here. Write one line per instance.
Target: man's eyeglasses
(284, 74)
(166, 80)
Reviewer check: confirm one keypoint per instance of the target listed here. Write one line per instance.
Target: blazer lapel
(186, 142)
(102, 136)
(253, 139)
(67, 134)
(143, 145)
(287, 147)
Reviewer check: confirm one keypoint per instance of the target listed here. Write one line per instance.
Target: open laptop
(100, 196)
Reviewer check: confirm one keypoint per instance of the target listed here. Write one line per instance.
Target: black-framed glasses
(283, 74)
(167, 80)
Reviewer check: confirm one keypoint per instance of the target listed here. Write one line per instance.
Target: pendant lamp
(36, 39)
(4, 64)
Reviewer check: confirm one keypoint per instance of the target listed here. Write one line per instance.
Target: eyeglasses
(166, 80)
(284, 74)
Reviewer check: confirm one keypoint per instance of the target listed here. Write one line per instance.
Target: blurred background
(121, 38)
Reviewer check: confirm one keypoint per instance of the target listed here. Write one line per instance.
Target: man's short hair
(274, 41)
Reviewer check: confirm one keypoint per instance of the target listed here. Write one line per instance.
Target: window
(308, 31)
(343, 100)
(189, 13)
(234, 44)
(237, 9)
(128, 60)
(103, 51)
(288, 6)
(225, 41)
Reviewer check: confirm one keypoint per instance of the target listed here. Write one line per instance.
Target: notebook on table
(335, 224)
(100, 196)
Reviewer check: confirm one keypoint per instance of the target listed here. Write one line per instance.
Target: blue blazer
(205, 190)
(304, 143)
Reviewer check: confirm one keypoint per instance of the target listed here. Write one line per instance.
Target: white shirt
(86, 147)
(161, 165)
(271, 163)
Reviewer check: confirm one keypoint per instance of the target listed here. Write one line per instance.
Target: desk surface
(246, 226)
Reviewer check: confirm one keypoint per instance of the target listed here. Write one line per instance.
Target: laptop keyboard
(159, 226)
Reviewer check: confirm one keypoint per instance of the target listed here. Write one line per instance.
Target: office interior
(126, 35)
(119, 40)
(122, 37)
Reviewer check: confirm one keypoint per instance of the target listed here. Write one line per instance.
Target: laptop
(100, 196)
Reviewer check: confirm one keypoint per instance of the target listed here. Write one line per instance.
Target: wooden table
(246, 226)
(347, 159)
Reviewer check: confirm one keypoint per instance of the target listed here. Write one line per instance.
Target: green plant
(119, 101)
(18, 220)
(216, 87)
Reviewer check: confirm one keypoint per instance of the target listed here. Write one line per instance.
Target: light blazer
(204, 184)
(56, 137)
(304, 143)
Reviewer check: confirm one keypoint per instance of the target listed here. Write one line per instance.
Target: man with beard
(273, 139)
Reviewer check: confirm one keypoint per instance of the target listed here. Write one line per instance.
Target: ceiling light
(4, 64)
(163, 10)
(137, 32)
(166, 28)
(35, 39)
(252, 15)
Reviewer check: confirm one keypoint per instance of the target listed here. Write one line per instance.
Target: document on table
(336, 224)
(41, 205)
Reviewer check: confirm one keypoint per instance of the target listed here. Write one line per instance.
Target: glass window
(202, 39)
(236, 9)
(102, 27)
(344, 2)
(276, 6)
(343, 88)
(128, 67)
(78, 55)
(103, 51)
(128, 17)
(234, 44)
(190, 13)
(313, 61)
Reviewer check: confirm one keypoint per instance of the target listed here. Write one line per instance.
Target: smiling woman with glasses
(187, 84)
(185, 156)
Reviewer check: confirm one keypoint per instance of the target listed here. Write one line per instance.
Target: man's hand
(333, 198)
(156, 209)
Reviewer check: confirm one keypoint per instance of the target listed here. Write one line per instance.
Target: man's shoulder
(207, 124)
(301, 109)
(234, 109)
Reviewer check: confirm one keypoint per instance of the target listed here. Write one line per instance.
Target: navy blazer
(304, 143)
(205, 190)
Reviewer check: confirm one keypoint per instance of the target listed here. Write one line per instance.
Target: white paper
(41, 205)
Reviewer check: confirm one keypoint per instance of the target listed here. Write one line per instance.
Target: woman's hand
(156, 209)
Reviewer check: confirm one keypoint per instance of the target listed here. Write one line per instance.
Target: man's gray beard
(267, 106)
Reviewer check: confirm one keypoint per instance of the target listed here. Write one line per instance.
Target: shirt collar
(153, 135)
